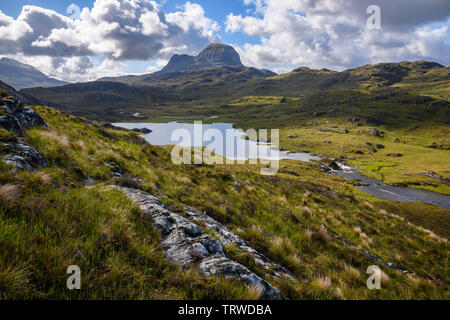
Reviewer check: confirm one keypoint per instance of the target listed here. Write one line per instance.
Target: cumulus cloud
(113, 31)
(334, 33)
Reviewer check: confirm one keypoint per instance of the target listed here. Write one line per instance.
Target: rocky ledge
(16, 117)
(186, 244)
(23, 156)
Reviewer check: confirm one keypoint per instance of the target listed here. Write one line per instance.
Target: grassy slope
(51, 220)
(407, 127)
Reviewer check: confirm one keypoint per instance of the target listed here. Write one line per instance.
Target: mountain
(216, 69)
(21, 75)
(213, 56)
(216, 63)
(112, 100)
(158, 92)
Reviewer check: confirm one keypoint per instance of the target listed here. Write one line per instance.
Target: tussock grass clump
(322, 283)
(254, 292)
(368, 205)
(321, 235)
(307, 212)
(384, 279)
(44, 177)
(352, 271)
(9, 193)
(60, 139)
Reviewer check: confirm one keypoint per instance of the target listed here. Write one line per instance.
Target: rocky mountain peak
(220, 54)
(213, 56)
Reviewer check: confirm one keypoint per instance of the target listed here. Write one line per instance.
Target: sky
(83, 40)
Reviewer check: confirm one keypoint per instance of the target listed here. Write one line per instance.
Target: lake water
(234, 146)
(163, 135)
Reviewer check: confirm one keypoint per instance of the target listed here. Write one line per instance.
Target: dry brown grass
(337, 213)
(322, 283)
(429, 232)
(305, 196)
(384, 278)
(80, 145)
(62, 140)
(307, 212)
(254, 291)
(352, 271)
(368, 205)
(257, 229)
(183, 180)
(44, 177)
(277, 242)
(321, 234)
(309, 234)
(9, 193)
(338, 293)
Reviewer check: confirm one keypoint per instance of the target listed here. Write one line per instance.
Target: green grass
(51, 222)
(102, 232)
(408, 169)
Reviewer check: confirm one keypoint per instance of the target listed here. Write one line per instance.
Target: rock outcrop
(23, 156)
(185, 243)
(16, 117)
(228, 238)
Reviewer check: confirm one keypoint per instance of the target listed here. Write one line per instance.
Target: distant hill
(220, 85)
(23, 97)
(113, 99)
(216, 63)
(21, 75)
(99, 99)
(196, 78)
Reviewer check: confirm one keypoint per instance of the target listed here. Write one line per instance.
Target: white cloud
(316, 33)
(193, 18)
(114, 30)
(333, 33)
(152, 24)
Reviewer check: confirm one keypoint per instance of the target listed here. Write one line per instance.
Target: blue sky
(216, 10)
(273, 34)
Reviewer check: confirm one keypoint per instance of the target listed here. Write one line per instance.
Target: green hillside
(180, 93)
(66, 214)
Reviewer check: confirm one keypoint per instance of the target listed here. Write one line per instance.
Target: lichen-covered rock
(17, 116)
(23, 156)
(185, 243)
(11, 123)
(229, 238)
(30, 118)
(14, 104)
(221, 266)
